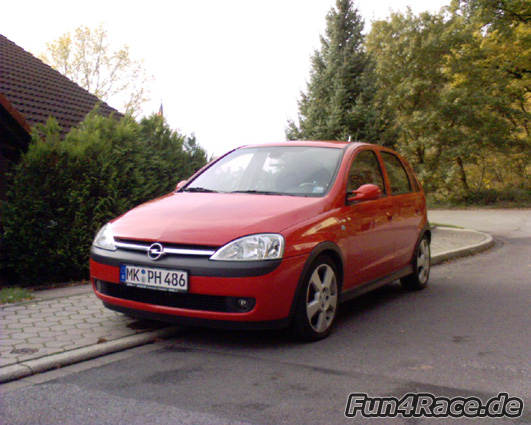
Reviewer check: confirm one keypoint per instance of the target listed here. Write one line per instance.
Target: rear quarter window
(398, 176)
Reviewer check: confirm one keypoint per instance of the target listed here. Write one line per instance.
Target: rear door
(407, 208)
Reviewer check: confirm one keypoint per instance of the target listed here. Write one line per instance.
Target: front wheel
(421, 267)
(317, 305)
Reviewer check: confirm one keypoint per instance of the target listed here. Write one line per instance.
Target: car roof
(319, 143)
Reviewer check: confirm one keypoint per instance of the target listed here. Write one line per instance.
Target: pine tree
(335, 104)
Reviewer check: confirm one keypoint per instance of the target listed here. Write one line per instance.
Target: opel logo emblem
(155, 251)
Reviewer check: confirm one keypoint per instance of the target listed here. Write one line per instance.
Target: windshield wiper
(199, 189)
(262, 192)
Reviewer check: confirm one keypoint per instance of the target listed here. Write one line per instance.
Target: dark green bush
(508, 196)
(63, 191)
(481, 197)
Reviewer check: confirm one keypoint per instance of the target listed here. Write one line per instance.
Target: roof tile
(36, 90)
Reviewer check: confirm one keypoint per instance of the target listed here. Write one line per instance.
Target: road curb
(464, 251)
(66, 358)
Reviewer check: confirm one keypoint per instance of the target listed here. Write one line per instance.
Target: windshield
(272, 170)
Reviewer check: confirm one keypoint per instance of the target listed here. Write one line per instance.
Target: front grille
(167, 248)
(174, 299)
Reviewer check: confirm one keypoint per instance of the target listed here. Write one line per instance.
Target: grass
(14, 295)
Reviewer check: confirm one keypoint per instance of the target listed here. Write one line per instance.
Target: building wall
(14, 140)
(3, 170)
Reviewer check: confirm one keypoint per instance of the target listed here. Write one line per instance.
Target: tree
(410, 53)
(448, 79)
(501, 61)
(335, 104)
(86, 58)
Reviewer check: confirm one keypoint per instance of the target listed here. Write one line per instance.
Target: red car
(268, 236)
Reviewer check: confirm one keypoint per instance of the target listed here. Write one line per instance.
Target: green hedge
(62, 191)
(510, 196)
(496, 198)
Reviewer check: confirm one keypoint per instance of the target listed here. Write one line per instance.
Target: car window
(414, 183)
(230, 172)
(284, 170)
(398, 176)
(365, 169)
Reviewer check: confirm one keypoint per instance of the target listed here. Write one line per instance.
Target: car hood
(213, 219)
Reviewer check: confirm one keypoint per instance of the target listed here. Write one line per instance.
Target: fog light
(242, 304)
(98, 285)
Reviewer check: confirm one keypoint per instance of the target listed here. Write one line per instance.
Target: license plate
(153, 278)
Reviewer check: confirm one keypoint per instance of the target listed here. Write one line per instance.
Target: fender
(318, 250)
(425, 231)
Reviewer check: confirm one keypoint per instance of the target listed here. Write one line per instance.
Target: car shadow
(370, 301)
(195, 338)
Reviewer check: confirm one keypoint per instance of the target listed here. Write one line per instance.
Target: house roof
(32, 91)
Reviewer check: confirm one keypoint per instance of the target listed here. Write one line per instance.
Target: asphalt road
(468, 334)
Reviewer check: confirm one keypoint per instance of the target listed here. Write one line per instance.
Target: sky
(228, 71)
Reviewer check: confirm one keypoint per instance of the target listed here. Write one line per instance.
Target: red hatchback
(268, 236)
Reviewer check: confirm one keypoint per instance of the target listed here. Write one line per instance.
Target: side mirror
(367, 192)
(181, 184)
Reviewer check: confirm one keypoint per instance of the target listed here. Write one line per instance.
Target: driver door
(369, 224)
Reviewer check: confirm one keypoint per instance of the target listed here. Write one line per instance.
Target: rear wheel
(317, 304)
(421, 267)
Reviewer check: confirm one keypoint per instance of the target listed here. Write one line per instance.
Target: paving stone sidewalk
(63, 327)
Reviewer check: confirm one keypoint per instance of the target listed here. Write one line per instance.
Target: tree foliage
(457, 84)
(451, 90)
(62, 191)
(87, 58)
(335, 104)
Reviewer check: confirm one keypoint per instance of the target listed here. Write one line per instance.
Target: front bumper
(214, 289)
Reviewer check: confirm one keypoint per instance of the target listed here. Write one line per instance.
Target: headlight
(105, 238)
(252, 248)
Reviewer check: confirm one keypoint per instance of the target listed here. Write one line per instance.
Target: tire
(317, 304)
(421, 267)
